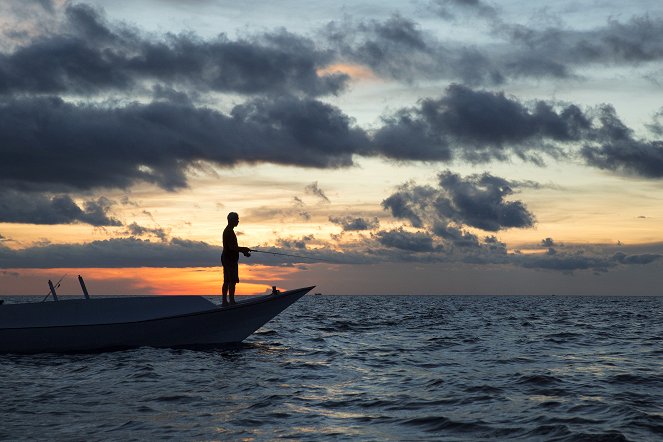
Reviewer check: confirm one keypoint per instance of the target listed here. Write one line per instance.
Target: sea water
(368, 368)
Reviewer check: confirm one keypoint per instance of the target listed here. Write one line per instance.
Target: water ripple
(368, 368)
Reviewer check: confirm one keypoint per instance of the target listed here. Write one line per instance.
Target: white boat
(96, 324)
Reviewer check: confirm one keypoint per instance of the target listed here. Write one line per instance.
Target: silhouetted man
(230, 259)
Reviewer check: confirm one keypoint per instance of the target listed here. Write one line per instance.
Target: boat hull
(214, 326)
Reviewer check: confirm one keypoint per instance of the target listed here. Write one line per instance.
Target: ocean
(368, 368)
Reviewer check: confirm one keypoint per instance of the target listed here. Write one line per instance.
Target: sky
(396, 147)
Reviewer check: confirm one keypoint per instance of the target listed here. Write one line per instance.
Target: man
(230, 259)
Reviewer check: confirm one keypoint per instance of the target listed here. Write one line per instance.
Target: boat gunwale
(242, 304)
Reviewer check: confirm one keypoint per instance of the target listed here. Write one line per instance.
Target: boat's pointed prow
(158, 321)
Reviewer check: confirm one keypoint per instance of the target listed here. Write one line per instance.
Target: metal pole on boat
(50, 284)
(85, 293)
(52, 290)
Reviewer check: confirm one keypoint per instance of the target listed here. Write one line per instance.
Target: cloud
(135, 229)
(450, 9)
(645, 258)
(404, 240)
(89, 55)
(350, 223)
(395, 246)
(457, 237)
(55, 146)
(314, 189)
(478, 126)
(612, 146)
(48, 143)
(119, 252)
(399, 49)
(23, 21)
(36, 208)
(656, 125)
(295, 243)
(411, 202)
(636, 40)
(637, 157)
(550, 244)
(566, 263)
(476, 201)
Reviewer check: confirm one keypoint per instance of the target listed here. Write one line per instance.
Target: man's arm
(230, 243)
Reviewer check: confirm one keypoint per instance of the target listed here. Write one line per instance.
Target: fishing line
(293, 256)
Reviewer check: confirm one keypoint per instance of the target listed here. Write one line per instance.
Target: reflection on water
(375, 368)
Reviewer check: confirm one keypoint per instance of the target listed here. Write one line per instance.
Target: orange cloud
(355, 71)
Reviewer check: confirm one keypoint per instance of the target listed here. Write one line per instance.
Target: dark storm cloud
(121, 252)
(637, 40)
(399, 49)
(396, 245)
(48, 143)
(478, 126)
(411, 202)
(457, 237)
(645, 258)
(613, 146)
(90, 55)
(35, 208)
(643, 158)
(570, 262)
(404, 240)
(476, 201)
(175, 253)
(479, 201)
(353, 224)
(567, 263)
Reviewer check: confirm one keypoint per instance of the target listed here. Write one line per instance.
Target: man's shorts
(230, 271)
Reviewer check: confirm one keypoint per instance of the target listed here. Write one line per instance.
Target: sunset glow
(357, 72)
(143, 281)
(438, 138)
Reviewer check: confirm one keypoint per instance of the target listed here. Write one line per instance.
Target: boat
(100, 324)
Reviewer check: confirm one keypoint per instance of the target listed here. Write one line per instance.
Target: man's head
(233, 219)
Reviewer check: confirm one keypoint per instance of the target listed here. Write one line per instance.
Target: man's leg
(224, 293)
(231, 292)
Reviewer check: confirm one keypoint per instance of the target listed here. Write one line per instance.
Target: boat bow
(158, 321)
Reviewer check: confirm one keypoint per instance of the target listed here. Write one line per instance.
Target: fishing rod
(57, 285)
(293, 256)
